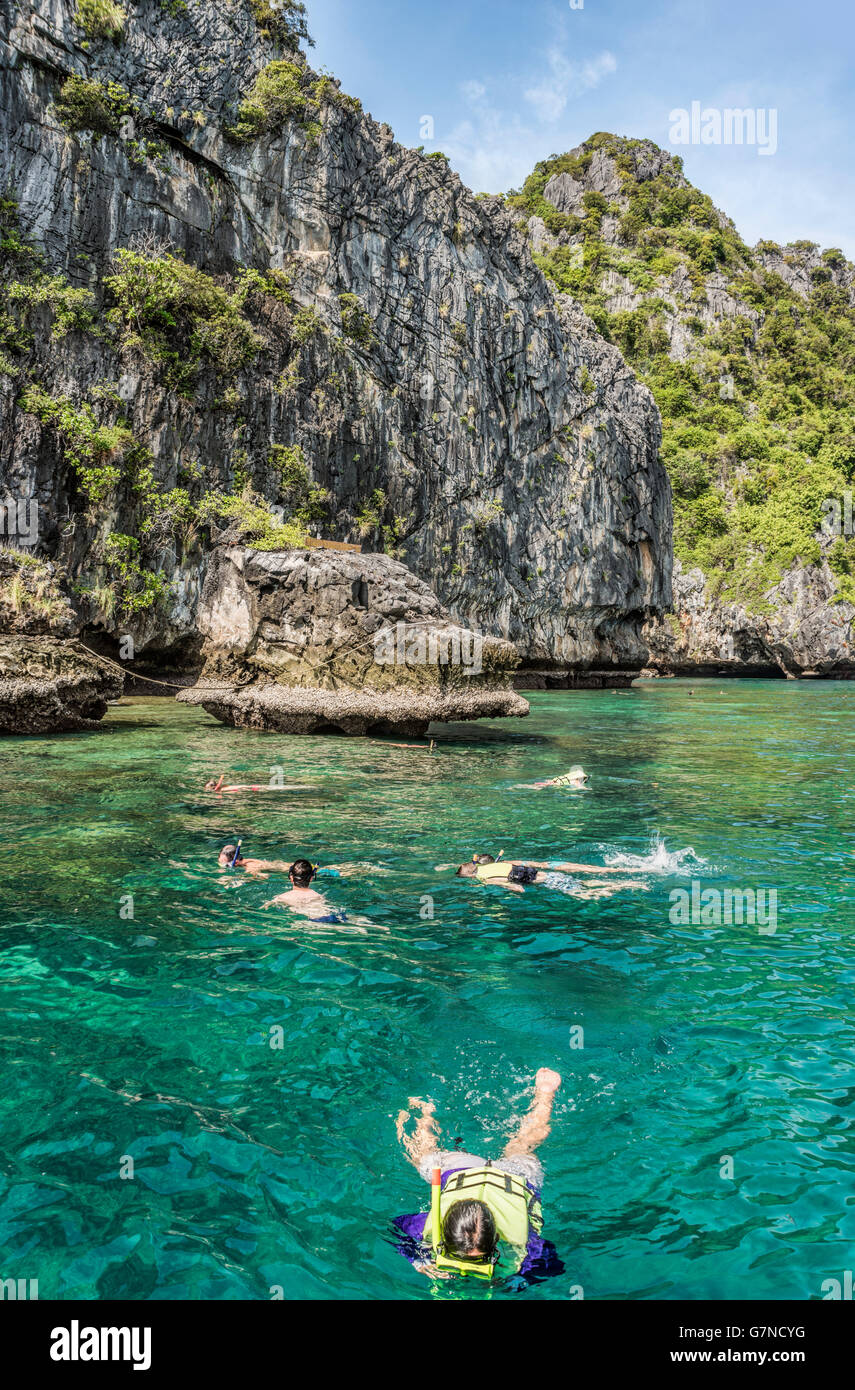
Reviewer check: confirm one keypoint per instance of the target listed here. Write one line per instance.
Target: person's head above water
(469, 1232)
(226, 858)
(470, 870)
(301, 873)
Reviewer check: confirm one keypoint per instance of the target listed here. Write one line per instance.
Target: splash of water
(658, 860)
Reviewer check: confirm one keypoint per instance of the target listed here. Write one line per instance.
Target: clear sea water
(260, 1167)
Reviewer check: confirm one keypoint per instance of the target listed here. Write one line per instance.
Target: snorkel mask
(477, 1269)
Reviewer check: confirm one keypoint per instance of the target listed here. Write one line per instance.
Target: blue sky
(510, 83)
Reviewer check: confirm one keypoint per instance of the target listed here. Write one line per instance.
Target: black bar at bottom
(166, 1340)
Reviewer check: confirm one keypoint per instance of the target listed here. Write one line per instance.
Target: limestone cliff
(749, 352)
(247, 286)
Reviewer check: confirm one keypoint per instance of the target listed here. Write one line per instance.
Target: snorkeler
(485, 1218)
(230, 857)
(302, 898)
(517, 874)
(576, 777)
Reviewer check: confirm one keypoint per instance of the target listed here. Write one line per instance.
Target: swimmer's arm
(511, 887)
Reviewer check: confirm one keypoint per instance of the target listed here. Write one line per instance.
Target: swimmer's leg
(425, 1140)
(593, 888)
(535, 1127)
(581, 868)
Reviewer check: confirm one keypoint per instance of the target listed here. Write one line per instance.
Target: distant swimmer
(517, 874)
(576, 777)
(220, 786)
(485, 1218)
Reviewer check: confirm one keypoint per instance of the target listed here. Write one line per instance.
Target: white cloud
(490, 149)
(473, 92)
(494, 148)
(566, 79)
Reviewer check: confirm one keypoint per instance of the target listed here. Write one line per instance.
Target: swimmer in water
(230, 857)
(313, 907)
(485, 1218)
(517, 874)
(220, 787)
(302, 898)
(576, 777)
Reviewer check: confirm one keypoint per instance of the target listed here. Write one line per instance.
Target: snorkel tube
(435, 1222)
(237, 855)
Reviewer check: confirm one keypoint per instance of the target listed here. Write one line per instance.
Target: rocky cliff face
(309, 641)
(802, 633)
(749, 354)
(49, 682)
(246, 283)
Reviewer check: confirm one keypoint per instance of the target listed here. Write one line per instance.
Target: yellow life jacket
(515, 1209)
(499, 870)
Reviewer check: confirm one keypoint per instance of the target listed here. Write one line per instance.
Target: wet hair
(230, 850)
(301, 873)
(467, 870)
(469, 1226)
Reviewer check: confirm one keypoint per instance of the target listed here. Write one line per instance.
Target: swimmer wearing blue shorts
(302, 897)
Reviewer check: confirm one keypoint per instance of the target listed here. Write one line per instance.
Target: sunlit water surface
(259, 1167)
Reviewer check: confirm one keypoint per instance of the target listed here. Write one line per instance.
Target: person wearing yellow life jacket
(485, 1219)
(517, 874)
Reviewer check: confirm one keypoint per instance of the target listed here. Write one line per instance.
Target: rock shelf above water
(309, 641)
(52, 685)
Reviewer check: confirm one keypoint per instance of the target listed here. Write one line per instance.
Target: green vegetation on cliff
(177, 315)
(757, 402)
(183, 322)
(30, 594)
(281, 92)
(101, 19)
(284, 20)
(89, 105)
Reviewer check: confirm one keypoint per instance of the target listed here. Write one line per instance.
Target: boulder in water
(317, 640)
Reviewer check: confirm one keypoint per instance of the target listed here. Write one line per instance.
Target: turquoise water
(257, 1167)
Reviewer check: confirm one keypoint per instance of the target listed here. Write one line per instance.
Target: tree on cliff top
(282, 19)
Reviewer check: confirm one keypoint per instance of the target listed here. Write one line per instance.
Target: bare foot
(427, 1107)
(547, 1080)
